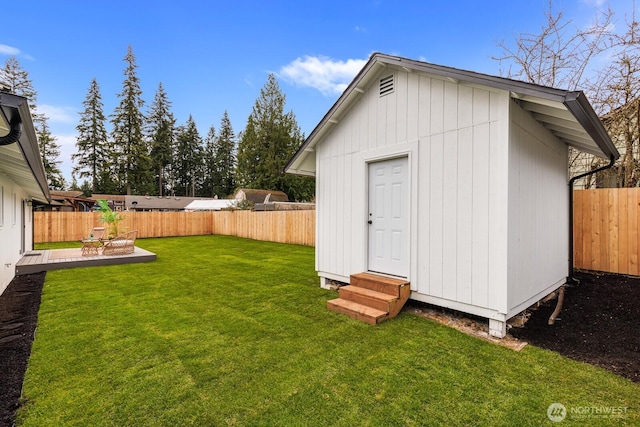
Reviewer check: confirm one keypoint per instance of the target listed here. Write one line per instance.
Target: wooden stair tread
(368, 292)
(383, 284)
(367, 314)
(380, 279)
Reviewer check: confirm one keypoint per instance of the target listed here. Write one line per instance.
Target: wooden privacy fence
(296, 227)
(606, 230)
(606, 224)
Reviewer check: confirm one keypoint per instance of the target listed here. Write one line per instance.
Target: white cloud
(329, 76)
(13, 51)
(58, 114)
(65, 140)
(9, 50)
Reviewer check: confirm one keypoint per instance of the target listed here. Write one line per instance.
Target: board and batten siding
(456, 139)
(462, 205)
(16, 221)
(538, 211)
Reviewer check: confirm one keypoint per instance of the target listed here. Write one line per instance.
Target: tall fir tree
(268, 141)
(17, 78)
(91, 159)
(133, 163)
(225, 157)
(161, 133)
(220, 160)
(210, 176)
(188, 160)
(50, 152)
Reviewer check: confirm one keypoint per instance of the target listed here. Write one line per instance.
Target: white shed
(22, 180)
(452, 180)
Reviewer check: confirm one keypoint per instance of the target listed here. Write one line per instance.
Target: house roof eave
(22, 162)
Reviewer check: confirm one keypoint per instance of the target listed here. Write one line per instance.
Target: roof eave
(580, 108)
(31, 152)
(28, 143)
(575, 102)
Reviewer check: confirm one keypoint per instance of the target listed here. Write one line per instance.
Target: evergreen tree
(74, 184)
(268, 142)
(133, 164)
(210, 175)
(220, 160)
(225, 156)
(86, 189)
(49, 151)
(19, 82)
(92, 158)
(161, 131)
(188, 160)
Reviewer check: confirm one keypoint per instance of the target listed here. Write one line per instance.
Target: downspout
(15, 131)
(570, 278)
(612, 160)
(33, 226)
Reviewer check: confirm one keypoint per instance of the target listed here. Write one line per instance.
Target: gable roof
(20, 160)
(566, 114)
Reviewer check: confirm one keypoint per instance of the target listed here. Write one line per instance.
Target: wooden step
(383, 284)
(367, 297)
(357, 311)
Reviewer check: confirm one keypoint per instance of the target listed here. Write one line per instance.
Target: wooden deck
(55, 259)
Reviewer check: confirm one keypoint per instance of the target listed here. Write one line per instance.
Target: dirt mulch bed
(598, 325)
(19, 305)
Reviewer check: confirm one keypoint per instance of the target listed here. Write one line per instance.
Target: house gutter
(612, 160)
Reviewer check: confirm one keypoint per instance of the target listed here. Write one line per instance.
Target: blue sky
(213, 56)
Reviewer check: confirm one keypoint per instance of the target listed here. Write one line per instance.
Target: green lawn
(227, 331)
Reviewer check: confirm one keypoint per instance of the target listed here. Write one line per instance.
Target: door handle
(370, 222)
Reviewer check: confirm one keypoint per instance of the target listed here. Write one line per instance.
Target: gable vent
(386, 85)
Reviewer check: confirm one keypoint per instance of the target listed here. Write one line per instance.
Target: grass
(226, 331)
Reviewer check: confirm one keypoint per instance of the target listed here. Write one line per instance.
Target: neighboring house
(67, 201)
(622, 125)
(115, 201)
(22, 183)
(452, 180)
(157, 203)
(260, 196)
(146, 203)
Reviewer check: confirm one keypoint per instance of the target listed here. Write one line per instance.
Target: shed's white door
(388, 216)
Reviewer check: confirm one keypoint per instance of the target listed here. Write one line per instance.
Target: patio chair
(120, 245)
(96, 233)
